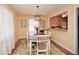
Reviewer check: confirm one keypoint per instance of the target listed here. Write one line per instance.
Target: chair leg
(47, 52)
(49, 47)
(37, 49)
(28, 51)
(30, 47)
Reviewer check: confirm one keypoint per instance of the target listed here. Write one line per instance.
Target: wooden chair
(27, 42)
(43, 44)
(30, 36)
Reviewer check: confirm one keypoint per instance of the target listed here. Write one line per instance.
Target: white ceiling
(44, 9)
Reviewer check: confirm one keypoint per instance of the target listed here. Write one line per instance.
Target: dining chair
(30, 36)
(27, 44)
(43, 44)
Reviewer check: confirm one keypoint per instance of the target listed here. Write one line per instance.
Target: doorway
(78, 27)
(77, 15)
(76, 30)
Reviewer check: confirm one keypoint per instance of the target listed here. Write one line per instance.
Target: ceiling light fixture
(37, 15)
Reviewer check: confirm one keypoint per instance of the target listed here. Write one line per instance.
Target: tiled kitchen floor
(21, 50)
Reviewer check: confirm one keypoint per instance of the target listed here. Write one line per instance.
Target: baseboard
(17, 44)
(62, 48)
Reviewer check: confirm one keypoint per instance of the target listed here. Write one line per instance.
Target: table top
(42, 35)
(35, 40)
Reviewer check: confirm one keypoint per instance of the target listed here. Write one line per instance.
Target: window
(32, 24)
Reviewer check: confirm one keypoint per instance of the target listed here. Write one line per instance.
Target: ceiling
(44, 9)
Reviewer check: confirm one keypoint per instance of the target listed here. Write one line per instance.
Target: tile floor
(21, 50)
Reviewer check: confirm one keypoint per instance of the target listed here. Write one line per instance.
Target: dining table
(36, 40)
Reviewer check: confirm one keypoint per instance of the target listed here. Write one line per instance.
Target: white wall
(6, 30)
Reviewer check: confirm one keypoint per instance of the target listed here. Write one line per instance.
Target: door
(78, 30)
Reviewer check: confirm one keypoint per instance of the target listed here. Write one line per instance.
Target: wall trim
(75, 30)
(62, 48)
(17, 44)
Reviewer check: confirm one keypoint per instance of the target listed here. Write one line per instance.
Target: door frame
(76, 30)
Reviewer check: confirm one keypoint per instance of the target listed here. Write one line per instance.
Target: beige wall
(65, 39)
(22, 31)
